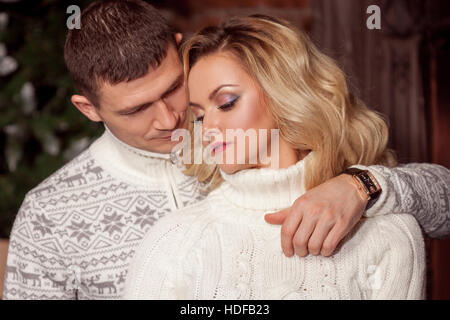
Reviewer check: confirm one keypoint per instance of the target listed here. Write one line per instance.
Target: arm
(422, 190)
(35, 269)
(319, 219)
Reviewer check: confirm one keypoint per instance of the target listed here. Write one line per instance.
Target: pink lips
(218, 147)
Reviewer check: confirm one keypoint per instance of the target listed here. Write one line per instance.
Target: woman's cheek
(244, 118)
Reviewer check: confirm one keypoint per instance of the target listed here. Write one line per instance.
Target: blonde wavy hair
(306, 93)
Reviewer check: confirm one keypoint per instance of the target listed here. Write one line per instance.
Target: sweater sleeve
(419, 189)
(35, 270)
(396, 270)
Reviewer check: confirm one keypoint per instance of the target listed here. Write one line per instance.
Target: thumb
(276, 217)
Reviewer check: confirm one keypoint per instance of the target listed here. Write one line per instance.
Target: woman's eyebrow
(211, 96)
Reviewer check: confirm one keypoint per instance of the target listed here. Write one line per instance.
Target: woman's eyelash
(229, 105)
(225, 107)
(199, 119)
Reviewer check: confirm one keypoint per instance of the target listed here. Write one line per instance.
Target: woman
(261, 73)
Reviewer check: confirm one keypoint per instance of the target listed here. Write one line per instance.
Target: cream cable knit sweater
(221, 248)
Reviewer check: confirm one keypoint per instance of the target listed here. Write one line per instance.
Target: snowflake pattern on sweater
(76, 233)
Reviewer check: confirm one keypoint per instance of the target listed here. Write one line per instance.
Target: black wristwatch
(367, 182)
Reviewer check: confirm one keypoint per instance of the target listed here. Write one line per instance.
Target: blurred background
(400, 70)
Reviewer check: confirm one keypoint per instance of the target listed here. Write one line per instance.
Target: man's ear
(178, 38)
(86, 107)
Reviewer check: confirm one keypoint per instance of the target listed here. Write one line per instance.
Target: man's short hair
(119, 40)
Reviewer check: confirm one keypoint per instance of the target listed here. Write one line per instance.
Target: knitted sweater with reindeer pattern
(76, 232)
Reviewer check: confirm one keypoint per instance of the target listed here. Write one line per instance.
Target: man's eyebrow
(174, 84)
(211, 96)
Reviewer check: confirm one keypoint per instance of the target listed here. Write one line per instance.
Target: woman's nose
(211, 128)
(210, 121)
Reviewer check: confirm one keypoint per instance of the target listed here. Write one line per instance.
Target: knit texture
(221, 248)
(76, 232)
(420, 189)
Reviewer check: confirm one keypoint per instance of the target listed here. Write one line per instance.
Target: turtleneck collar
(130, 163)
(265, 189)
(138, 152)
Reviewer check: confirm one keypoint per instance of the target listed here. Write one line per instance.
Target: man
(76, 232)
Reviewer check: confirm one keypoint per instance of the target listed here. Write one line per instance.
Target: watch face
(370, 185)
(364, 177)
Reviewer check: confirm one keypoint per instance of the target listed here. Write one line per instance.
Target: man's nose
(167, 118)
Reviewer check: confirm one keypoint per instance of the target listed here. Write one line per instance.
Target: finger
(334, 237)
(318, 236)
(288, 230)
(276, 217)
(302, 236)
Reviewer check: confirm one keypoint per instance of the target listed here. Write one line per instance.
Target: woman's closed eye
(199, 119)
(229, 105)
(224, 107)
